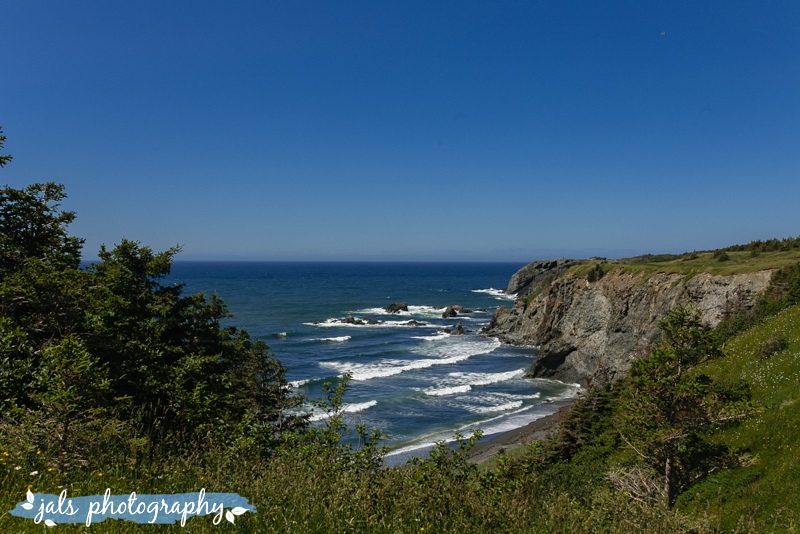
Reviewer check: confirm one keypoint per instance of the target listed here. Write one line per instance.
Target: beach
(518, 437)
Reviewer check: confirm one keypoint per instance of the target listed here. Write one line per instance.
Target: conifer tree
(669, 409)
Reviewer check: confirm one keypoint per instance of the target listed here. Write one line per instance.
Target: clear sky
(408, 130)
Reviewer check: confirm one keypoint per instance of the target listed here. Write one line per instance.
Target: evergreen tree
(112, 344)
(669, 410)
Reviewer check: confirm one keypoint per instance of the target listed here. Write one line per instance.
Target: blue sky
(377, 130)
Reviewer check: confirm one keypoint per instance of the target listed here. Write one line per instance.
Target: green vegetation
(110, 379)
(772, 254)
(766, 491)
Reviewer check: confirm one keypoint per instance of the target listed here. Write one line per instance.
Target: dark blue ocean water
(415, 383)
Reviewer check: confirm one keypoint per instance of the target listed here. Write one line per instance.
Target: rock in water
(396, 307)
(449, 312)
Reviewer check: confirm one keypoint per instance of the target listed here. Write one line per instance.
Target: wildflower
(49, 469)
(5, 453)
(38, 452)
(34, 473)
(99, 474)
(18, 468)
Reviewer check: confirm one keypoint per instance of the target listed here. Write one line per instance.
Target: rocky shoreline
(519, 437)
(590, 326)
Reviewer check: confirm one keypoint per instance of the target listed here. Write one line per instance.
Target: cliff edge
(589, 322)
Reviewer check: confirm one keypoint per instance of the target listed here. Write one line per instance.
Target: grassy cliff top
(714, 262)
(718, 262)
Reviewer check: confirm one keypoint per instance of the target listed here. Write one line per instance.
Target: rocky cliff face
(591, 331)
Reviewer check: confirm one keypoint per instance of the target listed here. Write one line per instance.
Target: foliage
(770, 245)
(32, 227)
(110, 346)
(669, 410)
(595, 273)
(762, 495)
(3, 159)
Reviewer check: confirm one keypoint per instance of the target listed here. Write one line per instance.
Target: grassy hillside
(766, 492)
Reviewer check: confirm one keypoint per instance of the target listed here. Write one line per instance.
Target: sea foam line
(348, 408)
(427, 442)
(443, 355)
(338, 323)
(464, 382)
(497, 293)
(428, 311)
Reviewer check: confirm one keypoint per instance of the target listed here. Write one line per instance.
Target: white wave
(441, 392)
(459, 344)
(375, 311)
(339, 339)
(484, 379)
(510, 421)
(497, 293)
(572, 390)
(338, 323)
(435, 337)
(347, 408)
(425, 311)
(298, 383)
(463, 382)
(499, 408)
(442, 355)
(495, 424)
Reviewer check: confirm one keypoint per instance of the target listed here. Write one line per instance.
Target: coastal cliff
(590, 319)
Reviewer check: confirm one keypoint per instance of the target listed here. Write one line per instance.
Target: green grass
(766, 492)
(691, 264)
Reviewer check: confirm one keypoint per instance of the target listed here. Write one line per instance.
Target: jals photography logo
(152, 509)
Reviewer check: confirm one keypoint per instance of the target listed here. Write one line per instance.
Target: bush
(772, 346)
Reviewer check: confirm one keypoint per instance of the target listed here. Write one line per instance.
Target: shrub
(772, 346)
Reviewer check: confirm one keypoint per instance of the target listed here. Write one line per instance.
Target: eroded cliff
(590, 331)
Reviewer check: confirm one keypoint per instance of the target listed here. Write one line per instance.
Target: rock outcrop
(449, 312)
(396, 307)
(452, 311)
(591, 331)
(524, 281)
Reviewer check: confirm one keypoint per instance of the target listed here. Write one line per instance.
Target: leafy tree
(669, 409)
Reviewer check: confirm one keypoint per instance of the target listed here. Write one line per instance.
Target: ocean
(410, 379)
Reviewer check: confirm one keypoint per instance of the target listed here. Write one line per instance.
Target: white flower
(34, 473)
